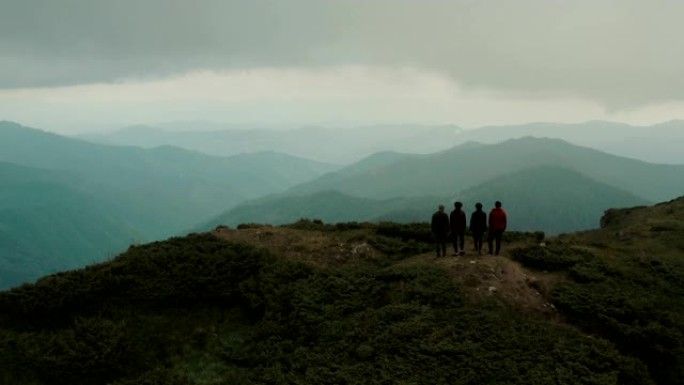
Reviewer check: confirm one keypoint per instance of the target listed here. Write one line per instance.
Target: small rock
(491, 289)
(473, 261)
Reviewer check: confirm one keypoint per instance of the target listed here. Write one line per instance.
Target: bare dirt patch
(500, 277)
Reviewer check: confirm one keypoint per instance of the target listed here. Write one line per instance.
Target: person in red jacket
(457, 220)
(497, 225)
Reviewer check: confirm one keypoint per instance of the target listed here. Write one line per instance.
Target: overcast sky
(80, 65)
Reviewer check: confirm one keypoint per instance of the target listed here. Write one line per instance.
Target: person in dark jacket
(498, 220)
(478, 226)
(440, 229)
(457, 219)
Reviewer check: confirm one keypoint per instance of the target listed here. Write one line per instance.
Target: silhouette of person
(497, 225)
(457, 219)
(478, 226)
(440, 229)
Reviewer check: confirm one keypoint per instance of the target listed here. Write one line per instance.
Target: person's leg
(477, 237)
(461, 238)
(455, 243)
(444, 247)
(490, 241)
(499, 236)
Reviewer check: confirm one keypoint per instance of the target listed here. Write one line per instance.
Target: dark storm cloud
(622, 53)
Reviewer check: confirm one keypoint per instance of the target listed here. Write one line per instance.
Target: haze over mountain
(336, 145)
(659, 143)
(67, 202)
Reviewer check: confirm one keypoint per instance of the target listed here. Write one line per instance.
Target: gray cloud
(621, 53)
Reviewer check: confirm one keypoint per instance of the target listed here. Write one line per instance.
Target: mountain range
(658, 143)
(326, 144)
(546, 184)
(67, 201)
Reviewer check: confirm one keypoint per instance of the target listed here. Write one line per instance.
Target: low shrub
(635, 302)
(553, 258)
(157, 376)
(157, 310)
(412, 324)
(418, 232)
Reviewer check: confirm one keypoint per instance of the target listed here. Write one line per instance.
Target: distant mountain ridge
(658, 143)
(547, 184)
(327, 144)
(460, 168)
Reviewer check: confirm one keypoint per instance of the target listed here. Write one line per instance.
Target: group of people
(454, 224)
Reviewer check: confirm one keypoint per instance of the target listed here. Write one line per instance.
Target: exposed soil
(498, 276)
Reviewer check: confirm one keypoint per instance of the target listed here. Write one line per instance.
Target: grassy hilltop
(311, 303)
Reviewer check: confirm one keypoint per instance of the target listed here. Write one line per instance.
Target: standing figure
(457, 219)
(440, 229)
(478, 226)
(497, 225)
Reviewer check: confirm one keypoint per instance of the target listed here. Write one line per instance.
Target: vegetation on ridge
(360, 303)
(212, 309)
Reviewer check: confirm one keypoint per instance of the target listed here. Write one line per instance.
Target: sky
(76, 66)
